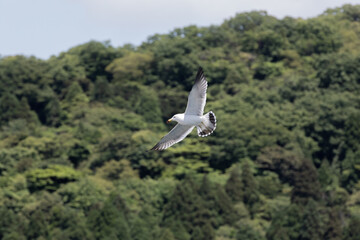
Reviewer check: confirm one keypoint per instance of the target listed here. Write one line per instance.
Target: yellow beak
(169, 120)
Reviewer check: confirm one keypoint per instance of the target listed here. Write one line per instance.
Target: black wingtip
(155, 148)
(200, 73)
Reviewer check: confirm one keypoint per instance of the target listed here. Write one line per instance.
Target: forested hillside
(283, 163)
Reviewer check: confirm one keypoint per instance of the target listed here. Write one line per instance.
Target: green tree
(50, 178)
(190, 209)
(247, 232)
(64, 70)
(11, 108)
(217, 204)
(316, 37)
(167, 235)
(75, 94)
(12, 225)
(334, 229)
(19, 72)
(102, 91)
(132, 66)
(53, 113)
(352, 232)
(248, 21)
(183, 205)
(140, 229)
(306, 184)
(178, 230)
(267, 43)
(109, 221)
(234, 186)
(78, 153)
(251, 195)
(313, 222)
(286, 224)
(94, 57)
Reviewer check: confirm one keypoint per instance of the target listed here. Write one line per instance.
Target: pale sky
(47, 27)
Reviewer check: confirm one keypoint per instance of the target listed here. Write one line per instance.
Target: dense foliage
(283, 163)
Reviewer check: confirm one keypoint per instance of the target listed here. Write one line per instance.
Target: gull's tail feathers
(208, 125)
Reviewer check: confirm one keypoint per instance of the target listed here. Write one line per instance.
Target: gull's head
(174, 118)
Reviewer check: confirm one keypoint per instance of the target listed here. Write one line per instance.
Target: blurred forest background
(283, 163)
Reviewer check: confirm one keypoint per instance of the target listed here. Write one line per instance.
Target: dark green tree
(313, 222)
(53, 112)
(11, 108)
(75, 94)
(197, 234)
(19, 72)
(78, 153)
(234, 186)
(208, 231)
(352, 130)
(184, 205)
(352, 232)
(166, 234)
(251, 195)
(94, 57)
(109, 221)
(140, 229)
(190, 208)
(102, 90)
(12, 225)
(306, 184)
(247, 232)
(286, 224)
(334, 227)
(178, 230)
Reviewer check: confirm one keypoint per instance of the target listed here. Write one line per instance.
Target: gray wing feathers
(178, 133)
(197, 97)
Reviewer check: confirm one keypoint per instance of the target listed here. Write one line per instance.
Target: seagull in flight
(192, 117)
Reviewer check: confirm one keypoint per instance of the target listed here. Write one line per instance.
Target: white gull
(192, 117)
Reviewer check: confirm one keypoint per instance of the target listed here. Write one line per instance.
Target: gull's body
(189, 120)
(192, 117)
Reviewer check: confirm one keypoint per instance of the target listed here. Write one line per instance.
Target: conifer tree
(10, 108)
(245, 231)
(102, 90)
(234, 186)
(251, 195)
(109, 222)
(306, 184)
(352, 232)
(189, 208)
(225, 207)
(53, 112)
(197, 234)
(75, 94)
(211, 209)
(167, 235)
(313, 222)
(140, 230)
(183, 205)
(208, 232)
(334, 230)
(178, 229)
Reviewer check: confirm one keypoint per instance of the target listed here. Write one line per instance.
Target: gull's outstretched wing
(197, 97)
(178, 133)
